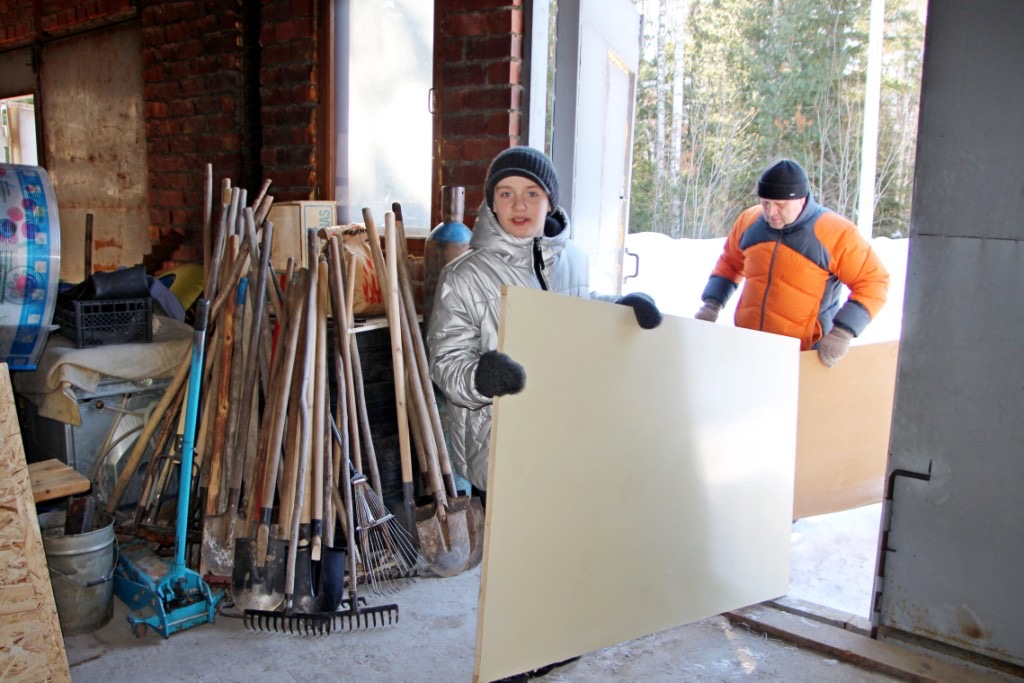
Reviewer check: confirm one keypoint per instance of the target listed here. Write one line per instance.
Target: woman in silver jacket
(521, 238)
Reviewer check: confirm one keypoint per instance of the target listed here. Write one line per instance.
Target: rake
(388, 556)
(353, 612)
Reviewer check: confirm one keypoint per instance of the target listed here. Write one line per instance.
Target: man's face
(521, 206)
(781, 212)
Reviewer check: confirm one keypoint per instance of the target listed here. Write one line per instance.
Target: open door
(595, 86)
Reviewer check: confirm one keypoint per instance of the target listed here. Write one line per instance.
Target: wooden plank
(843, 429)
(31, 646)
(642, 480)
(861, 650)
(54, 479)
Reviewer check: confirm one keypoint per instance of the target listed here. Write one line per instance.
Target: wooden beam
(875, 655)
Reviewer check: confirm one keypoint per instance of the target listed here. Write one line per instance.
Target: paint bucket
(81, 571)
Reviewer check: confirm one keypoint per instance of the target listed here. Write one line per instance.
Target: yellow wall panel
(642, 480)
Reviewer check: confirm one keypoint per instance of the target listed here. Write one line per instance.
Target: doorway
(832, 555)
(18, 131)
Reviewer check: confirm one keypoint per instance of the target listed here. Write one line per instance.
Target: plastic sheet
(29, 263)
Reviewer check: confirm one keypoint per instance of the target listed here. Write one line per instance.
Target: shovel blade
(332, 578)
(474, 511)
(444, 544)
(218, 551)
(254, 587)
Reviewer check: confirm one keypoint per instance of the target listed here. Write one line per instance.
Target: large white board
(643, 479)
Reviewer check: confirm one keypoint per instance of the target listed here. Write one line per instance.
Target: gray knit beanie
(528, 163)
(785, 179)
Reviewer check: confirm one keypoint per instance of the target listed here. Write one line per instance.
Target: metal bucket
(81, 571)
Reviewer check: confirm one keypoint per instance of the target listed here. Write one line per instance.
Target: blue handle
(195, 377)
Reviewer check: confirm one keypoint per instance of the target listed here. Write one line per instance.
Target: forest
(725, 87)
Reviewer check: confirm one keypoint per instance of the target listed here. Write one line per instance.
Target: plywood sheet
(31, 648)
(95, 141)
(843, 429)
(642, 480)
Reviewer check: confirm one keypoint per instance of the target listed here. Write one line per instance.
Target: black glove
(647, 314)
(497, 375)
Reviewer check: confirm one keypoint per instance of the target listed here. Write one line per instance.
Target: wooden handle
(277, 408)
(432, 417)
(320, 405)
(385, 277)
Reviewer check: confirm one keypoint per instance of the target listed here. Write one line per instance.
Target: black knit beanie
(784, 179)
(528, 163)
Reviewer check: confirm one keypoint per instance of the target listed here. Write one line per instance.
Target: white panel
(597, 55)
(642, 480)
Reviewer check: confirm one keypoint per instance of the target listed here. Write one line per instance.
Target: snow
(674, 272)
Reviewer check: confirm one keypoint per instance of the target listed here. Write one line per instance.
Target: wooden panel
(95, 144)
(843, 429)
(31, 647)
(642, 480)
(53, 479)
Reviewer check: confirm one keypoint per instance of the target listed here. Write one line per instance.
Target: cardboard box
(291, 221)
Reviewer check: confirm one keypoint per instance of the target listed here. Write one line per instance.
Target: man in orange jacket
(794, 255)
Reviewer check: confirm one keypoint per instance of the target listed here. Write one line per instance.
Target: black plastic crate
(105, 321)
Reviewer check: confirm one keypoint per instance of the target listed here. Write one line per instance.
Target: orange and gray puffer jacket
(794, 275)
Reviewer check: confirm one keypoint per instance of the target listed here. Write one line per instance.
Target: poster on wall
(29, 263)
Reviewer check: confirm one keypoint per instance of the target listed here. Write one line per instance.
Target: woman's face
(521, 206)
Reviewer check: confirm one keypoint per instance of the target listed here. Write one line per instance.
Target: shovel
(444, 538)
(468, 506)
(216, 554)
(220, 530)
(258, 575)
(319, 583)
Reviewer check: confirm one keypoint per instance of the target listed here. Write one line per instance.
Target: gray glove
(646, 311)
(834, 345)
(497, 374)
(709, 311)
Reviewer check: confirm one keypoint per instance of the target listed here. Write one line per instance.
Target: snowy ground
(674, 272)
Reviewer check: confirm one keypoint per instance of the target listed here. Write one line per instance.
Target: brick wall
(479, 91)
(230, 84)
(234, 84)
(225, 82)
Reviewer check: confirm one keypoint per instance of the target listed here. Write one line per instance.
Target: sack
(367, 299)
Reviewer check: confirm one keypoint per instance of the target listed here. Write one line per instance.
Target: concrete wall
(953, 572)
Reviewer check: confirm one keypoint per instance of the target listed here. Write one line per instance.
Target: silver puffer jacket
(464, 321)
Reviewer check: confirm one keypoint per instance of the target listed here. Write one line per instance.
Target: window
(384, 59)
(18, 131)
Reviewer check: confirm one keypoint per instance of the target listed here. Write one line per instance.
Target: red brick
(501, 47)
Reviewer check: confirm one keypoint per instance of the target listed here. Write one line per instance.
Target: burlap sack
(367, 299)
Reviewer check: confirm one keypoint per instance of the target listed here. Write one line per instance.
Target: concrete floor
(832, 563)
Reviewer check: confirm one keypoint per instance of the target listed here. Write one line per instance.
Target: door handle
(636, 270)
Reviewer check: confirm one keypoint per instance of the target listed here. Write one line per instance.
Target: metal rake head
(322, 624)
(366, 616)
(293, 623)
(386, 551)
